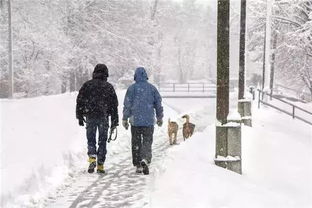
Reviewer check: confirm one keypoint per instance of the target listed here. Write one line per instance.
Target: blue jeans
(94, 124)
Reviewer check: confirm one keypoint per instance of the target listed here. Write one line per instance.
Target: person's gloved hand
(159, 122)
(81, 122)
(125, 124)
(113, 127)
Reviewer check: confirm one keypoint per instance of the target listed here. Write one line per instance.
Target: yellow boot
(100, 169)
(92, 164)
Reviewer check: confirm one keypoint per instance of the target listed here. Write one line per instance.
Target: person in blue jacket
(141, 102)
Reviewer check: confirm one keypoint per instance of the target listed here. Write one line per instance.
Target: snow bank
(42, 147)
(277, 168)
(41, 142)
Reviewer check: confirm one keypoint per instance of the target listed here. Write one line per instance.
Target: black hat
(101, 70)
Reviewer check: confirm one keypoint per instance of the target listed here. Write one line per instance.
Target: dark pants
(142, 140)
(94, 124)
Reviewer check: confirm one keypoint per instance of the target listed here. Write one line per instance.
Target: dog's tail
(187, 117)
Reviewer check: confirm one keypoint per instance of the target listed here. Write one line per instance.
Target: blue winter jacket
(141, 101)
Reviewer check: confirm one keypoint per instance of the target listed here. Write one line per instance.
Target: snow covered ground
(40, 143)
(43, 161)
(277, 168)
(289, 108)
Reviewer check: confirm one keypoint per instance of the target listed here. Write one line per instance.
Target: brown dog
(172, 131)
(188, 128)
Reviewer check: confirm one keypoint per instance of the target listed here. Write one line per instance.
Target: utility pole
(228, 135)
(244, 106)
(223, 40)
(241, 80)
(267, 46)
(11, 72)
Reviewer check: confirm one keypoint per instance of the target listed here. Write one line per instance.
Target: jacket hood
(140, 75)
(100, 72)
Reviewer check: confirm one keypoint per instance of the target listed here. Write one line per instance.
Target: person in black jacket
(96, 101)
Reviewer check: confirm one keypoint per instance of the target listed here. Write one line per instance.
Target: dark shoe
(145, 167)
(92, 165)
(139, 169)
(100, 169)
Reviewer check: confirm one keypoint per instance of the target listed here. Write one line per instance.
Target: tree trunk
(64, 85)
(263, 61)
(273, 63)
(180, 69)
(11, 73)
(72, 80)
(154, 10)
(241, 80)
(156, 46)
(223, 33)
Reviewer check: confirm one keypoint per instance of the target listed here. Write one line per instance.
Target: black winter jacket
(97, 99)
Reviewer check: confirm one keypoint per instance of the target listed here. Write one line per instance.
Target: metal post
(223, 34)
(173, 87)
(293, 111)
(188, 87)
(241, 80)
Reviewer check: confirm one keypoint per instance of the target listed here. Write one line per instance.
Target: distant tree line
(56, 43)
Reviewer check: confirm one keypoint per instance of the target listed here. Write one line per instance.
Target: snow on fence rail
(187, 90)
(282, 105)
(301, 95)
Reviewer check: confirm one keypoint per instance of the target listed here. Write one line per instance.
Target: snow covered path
(53, 151)
(120, 186)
